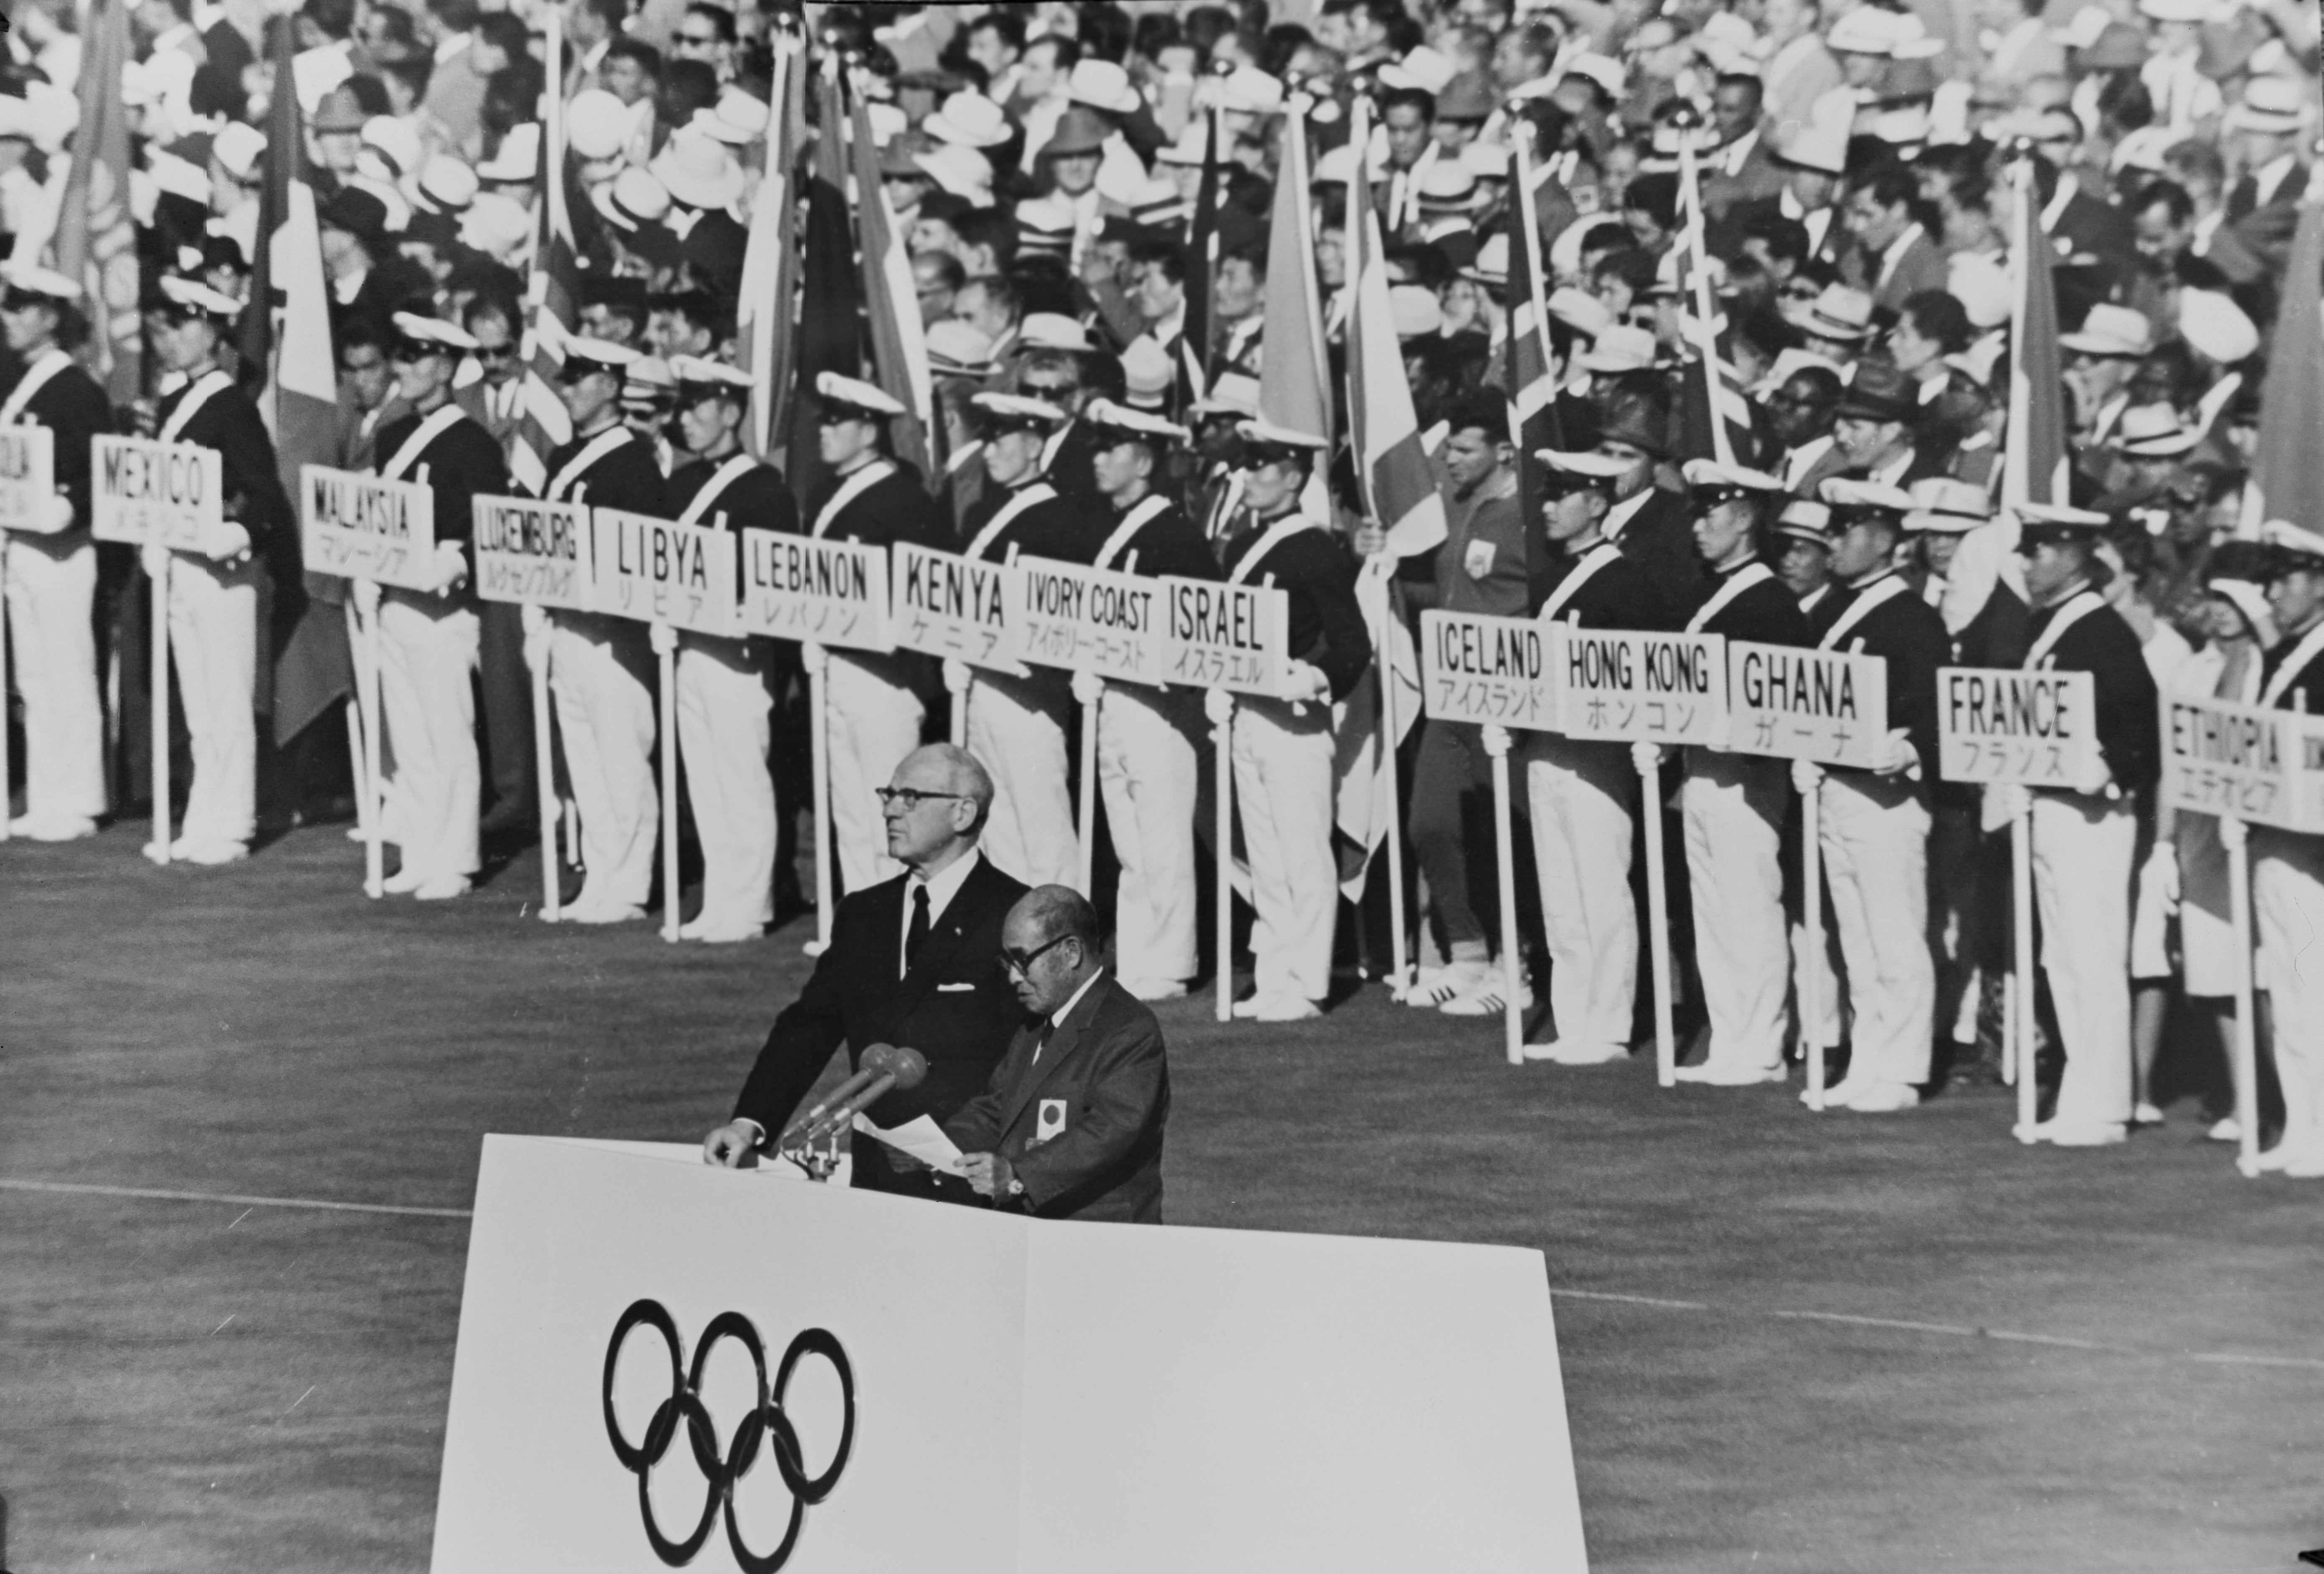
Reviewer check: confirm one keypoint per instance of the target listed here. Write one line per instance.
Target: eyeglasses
(405, 354)
(496, 351)
(1021, 961)
(910, 798)
(699, 40)
(1049, 389)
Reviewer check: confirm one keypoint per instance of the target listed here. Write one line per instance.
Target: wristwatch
(1016, 1187)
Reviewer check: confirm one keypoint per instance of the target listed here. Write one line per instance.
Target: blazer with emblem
(1105, 1064)
(954, 1006)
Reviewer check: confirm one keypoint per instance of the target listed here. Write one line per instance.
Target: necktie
(1041, 1040)
(917, 934)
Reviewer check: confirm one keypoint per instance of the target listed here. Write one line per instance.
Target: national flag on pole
(764, 331)
(553, 292)
(830, 326)
(95, 241)
(1528, 364)
(1194, 349)
(1715, 411)
(2289, 467)
(2036, 458)
(900, 347)
(1399, 489)
(1294, 384)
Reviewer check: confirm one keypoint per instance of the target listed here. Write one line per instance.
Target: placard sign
(28, 480)
(1231, 637)
(364, 527)
(2001, 723)
(1090, 620)
(1484, 669)
(531, 551)
(658, 571)
(2262, 766)
(963, 608)
(142, 491)
(1623, 686)
(833, 593)
(1798, 704)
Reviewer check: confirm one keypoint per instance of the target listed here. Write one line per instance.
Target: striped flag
(1528, 367)
(95, 241)
(553, 291)
(2289, 467)
(830, 325)
(1294, 384)
(1715, 410)
(2036, 458)
(1399, 489)
(1195, 348)
(764, 330)
(900, 347)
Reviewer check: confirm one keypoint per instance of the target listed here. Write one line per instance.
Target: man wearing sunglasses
(911, 962)
(428, 637)
(1070, 1125)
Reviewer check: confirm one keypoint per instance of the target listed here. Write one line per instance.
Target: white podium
(958, 1391)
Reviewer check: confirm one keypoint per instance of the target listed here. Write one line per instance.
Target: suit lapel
(1060, 1049)
(945, 937)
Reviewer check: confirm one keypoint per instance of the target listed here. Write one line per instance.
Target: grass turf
(189, 1387)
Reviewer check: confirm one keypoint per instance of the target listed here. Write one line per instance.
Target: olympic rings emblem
(765, 1422)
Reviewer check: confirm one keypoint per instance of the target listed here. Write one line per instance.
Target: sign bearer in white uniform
(2288, 868)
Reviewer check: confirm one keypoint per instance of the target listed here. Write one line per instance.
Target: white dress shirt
(1057, 1017)
(941, 890)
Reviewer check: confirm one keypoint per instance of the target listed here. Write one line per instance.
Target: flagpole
(2021, 894)
(665, 644)
(1811, 971)
(1221, 705)
(2233, 836)
(375, 789)
(1693, 246)
(1089, 791)
(156, 558)
(1650, 809)
(818, 712)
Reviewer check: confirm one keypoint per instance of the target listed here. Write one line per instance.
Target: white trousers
(723, 727)
(214, 645)
(1017, 731)
(51, 586)
(427, 656)
(606, 713)
(1581, 796)
(2288, 905)
(873, 722)
(1283, 790)
(1733, 807)
(2082, 853)
(1875, 835)
(1149, 769)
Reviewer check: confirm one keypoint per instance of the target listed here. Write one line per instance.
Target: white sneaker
(403, 881)
(604, 913)
(1286, 1009)
(1580, 1053)
(1247, 1008)
(1884, 1099)
(2098, 1134)
(1436, 985)
(443, 887)
(209, 855)
(1156, 989)
(1837, 1095)
(2147, 1115)
(1487, 996)
(1718, 1076)
(2227, 1128)
(720, 933)
(63, 828)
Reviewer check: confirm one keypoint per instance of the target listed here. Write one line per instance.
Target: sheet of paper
(921, 1137)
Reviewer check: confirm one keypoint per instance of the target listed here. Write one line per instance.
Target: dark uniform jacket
(2101, 643)
(458, 462)
(1166, 542)
(1049, 527)
(627, 477)
(1327, 628)
(1660, 539)
(1764, 613)
(1904, 631)
(1073, 468)
(1103, 1081)
(228, 422)
(1617, 594)
(895, 508)
(72, 405)
(757, 498)
(954, 1006)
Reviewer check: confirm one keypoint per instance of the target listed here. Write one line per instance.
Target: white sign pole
(1089, 791)
(1399, 972)
(960, 713)
(2021, 891)
(374, 785)
(818, 712)
(666, 648)
(1222, 744)
(1505, 861)
(1811, 966)
(544, 768)
(157, 576)
(1658, 924)
(2232, 833)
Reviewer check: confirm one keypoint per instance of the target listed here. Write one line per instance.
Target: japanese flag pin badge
(1051, 1120)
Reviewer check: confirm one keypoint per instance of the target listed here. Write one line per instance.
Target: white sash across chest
(1280, 532)
(1023, 498)
(36, 377)
(1596, 558)
(725, 476)
(1879, 592)
(2078, 607)
(598, 447)
(2311, 643)
(1741, 580)
(433, 426)
(1132, 523)
(854, 487)
(209, 384)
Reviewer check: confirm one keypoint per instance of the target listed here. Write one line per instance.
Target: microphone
(884, 1067)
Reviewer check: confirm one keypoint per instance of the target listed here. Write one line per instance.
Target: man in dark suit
(1071, 1125)
(910, 963)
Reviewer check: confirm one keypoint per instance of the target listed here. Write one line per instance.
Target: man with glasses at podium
(911, 963)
